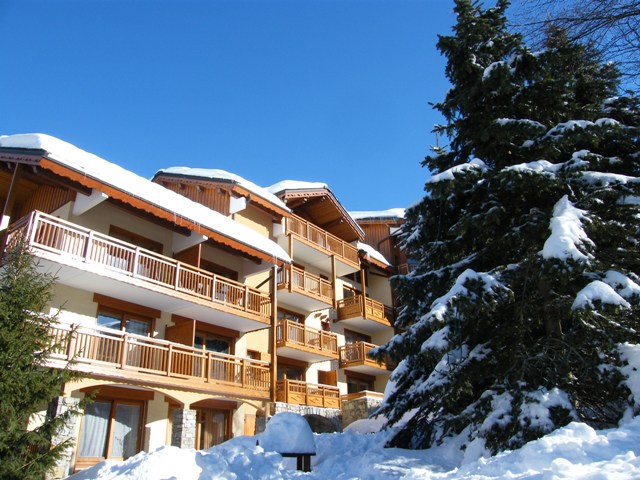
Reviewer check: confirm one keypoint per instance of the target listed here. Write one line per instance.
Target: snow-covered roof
(295, 185)
(224, 176)
(390, 214)
(124, 180)
(373, 253)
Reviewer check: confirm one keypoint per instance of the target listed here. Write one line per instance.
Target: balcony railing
(64, 238)
(322, 239)
(355, 354)
(297, 280)
(302, 393)
(357, 306)
(297, 335)
(128, 354)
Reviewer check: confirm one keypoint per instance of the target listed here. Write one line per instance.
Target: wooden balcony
(113, 354)
(353, 356)
(302, 393)
(84, 257)
(297, 341)
(301, 289)
(315, 246)
(365, 314)
(363, 394)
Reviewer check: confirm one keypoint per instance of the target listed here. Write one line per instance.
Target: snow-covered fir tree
(526, 244)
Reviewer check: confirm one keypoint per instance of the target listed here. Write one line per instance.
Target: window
(212, 343)
(125, 321)
(290, 372)
(354, 337)
(218, 270)
(289, 315)
(111, 429)
(359, 383)
(125, 316)
(135, 239)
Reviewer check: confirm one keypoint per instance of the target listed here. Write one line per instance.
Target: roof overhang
(321, 207)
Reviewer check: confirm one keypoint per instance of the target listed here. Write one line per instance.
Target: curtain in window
(125, 432)
(93, 439)
(139, 327)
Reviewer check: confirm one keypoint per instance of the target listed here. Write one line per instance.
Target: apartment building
(197, 304)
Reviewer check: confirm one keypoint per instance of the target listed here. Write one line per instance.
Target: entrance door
(213, 427)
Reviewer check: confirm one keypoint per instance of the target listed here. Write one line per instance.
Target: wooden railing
(356, 354)
(296, 279)
(322, 239)
(295, 334)
(403, 269)
(58, 236)
(368, 308)
(118, 350)
(302, 393)
(363, 394)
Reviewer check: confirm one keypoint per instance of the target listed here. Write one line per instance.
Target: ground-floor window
(359, 382)
(111, 429)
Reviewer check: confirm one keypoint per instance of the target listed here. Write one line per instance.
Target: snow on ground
(574, 452)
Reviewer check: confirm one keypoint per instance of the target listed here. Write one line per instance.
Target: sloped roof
(314, 201)
(222, 176)
(94, 172)
(392, 214)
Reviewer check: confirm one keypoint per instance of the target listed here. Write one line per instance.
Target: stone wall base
(359, 408)
(58, 406)
(183, 433)
(332, 415)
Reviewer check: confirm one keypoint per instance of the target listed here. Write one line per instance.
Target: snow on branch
(625, 287)
(598, 291)
(567, 233)
(539, 166)
(450, 174)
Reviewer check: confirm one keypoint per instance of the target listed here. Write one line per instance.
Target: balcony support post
(72, 342)
(333, 281)
(123, 354)
(364, 292)
(272, 334)
(169, 359)
(136, 261)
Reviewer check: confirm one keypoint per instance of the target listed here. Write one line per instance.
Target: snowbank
(574, 452)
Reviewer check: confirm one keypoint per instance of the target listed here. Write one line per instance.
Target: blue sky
(318, 90)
